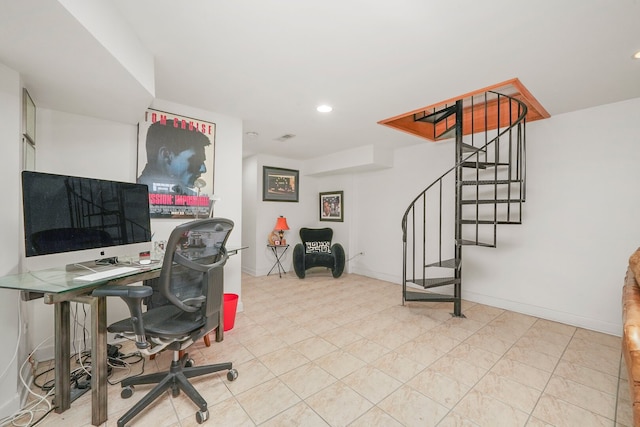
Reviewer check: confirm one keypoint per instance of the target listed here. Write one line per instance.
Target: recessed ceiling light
(251, 133)
(324, 108)
(636, 55)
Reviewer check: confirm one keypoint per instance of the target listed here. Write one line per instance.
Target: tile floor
(345, 352)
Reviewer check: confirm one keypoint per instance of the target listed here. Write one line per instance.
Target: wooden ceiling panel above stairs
(418, 122)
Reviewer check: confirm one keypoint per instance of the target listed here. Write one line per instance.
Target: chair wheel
(190, 363)
(202, 416)
(175, 391)
(232, 375)
(127, 392)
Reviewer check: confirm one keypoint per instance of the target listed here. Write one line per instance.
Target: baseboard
(528, 309)
(545, 313)
(249, 271)
(377, 275)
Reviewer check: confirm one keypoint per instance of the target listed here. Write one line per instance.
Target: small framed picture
(280, 185)
(332, 206)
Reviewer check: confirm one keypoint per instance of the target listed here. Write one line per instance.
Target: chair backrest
(192, 271)
(316, 240)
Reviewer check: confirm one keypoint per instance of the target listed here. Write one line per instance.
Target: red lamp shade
(281, 224)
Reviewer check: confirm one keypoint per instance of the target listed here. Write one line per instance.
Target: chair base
(175, 380)
(207, 343)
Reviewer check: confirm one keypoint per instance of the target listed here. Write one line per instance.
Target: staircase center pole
(457, 304)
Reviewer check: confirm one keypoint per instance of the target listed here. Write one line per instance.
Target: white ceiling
(271, 62)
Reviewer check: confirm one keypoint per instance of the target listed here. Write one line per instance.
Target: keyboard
(112, 272)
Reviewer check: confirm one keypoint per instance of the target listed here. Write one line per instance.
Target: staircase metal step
(428, 296)
(488, 222)
(448, 133)
(466, 148)
(482, 165)
(447, 263)
(438, 115)
(434, 282)
(489, 201)
(465, 242)
(492, 182)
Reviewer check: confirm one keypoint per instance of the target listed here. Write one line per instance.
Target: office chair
(191, 290)
(316, 250)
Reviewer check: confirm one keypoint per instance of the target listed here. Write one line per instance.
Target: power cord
(80, 377)
(359, 253)
(26, 416)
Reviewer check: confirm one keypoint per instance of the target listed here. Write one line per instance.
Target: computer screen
(91, 218)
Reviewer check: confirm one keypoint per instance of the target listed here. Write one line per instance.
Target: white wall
(381, 199)
(250, 199)
(260, 216)
(10, 141)
(568, 260)
(341, 230)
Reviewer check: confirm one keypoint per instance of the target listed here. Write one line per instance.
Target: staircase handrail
(454, 167)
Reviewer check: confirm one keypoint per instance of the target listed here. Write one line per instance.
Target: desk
(278, 256)
(57, 287)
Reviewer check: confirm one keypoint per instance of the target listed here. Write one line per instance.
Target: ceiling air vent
(285, 137)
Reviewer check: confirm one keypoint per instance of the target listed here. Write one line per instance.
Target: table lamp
(281, 225)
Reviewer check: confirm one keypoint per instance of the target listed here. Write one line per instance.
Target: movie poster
(176, 159)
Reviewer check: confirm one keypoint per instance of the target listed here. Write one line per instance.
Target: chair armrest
(123, 291)
(298, 260)
(338, 253)
(133, 297)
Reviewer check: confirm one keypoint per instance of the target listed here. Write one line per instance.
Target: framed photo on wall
(176, 160)
(332, 206)
(280, 185)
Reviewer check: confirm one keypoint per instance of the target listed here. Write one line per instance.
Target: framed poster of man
(175, 160)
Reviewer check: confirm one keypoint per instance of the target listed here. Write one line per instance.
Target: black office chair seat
(188, 307)
(167, 322)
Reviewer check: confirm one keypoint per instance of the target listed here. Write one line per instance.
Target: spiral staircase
(484, 190)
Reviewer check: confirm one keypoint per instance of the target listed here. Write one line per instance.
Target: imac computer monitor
(70, 219)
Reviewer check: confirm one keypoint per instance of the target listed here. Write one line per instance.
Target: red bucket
(230, 306)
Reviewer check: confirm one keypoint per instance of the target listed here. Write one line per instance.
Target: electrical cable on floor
(121, 362)
(80, 377)
(31, 409)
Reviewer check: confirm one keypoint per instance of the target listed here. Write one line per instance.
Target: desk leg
(220, 331)
(62, 345)
(98, 360)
